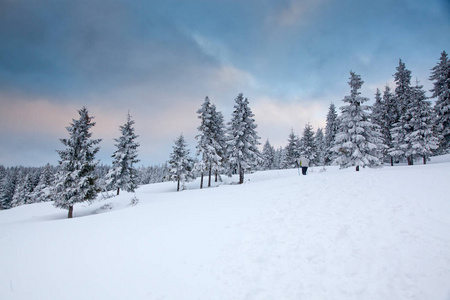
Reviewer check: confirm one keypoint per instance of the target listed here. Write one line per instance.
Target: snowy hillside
(376, 234)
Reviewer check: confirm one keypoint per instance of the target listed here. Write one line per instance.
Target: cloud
(275, 119)
(296, 12)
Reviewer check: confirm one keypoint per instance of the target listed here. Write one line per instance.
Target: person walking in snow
(304, 163)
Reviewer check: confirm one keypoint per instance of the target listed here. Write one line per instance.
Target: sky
(158, 60)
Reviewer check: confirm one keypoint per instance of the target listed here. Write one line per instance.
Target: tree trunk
(424, 159)
(392, 161)
(210, 173)
(70, 212)
(357, 168)
(216, 177)
(410, 161)
(178, 185)
(201, 181)
(241, 175)
(118, 190)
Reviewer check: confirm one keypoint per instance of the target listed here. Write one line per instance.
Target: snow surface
(338, 234)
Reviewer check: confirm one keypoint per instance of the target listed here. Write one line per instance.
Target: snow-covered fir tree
(421, 138)
(41, 192)
(221, 141)
(23, 193)
(331, 130)
(440, 75)
(7, 187)
(268, 157)
(292, 150)
(243, 153)
(123, 174)
(209, 140)
(380, 116)
(319, 141)
(400, 129)
(75, 181)
(180, 164)
(307, 144)
(281, 158)
(358, 140)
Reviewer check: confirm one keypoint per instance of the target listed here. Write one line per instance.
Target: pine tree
(180, 164)
(421, 137)
(331, 130)
(243, 154)
(357, 142)
(210, 140)
(440, 74)
(292, 150)
(75, 181)
(319, 142)
(123, 175)
(268, 155)
(400, 129)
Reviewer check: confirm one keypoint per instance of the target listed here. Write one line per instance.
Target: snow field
(376, 234)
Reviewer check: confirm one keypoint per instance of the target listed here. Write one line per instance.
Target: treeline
(25, 185)
(400, 127)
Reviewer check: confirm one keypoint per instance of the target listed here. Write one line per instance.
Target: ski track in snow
(338, 234)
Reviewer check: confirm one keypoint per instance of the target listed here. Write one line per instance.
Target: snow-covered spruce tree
(23, 193)
(292, 150)
(307, 144)
(358, 140)
(268, 157)
(243, 153)
(123, 174)
(220, 141)
(380, 117)
(440, 75)
(75, 181)
(331, 130)
(7, 188)
(421, 138)
(180, 164)
(41, 192)
(319, 142)
(400, 129)
(209, 146)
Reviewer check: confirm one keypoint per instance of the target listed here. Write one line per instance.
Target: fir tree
(268, 157)
(243, 154)
(440, 75)
(292, 150)
(319, 142)
(357, 143)
(307, 144)
(7, 188)
(331, 130)
(180, 164)
(24, 191)
(42, 191)
(75, 180)
(380, 116)
(123, 175)
(400, 129)
(220, 141)
(209, 147)
(421, 138)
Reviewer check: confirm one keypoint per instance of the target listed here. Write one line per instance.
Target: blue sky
(159, 59)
